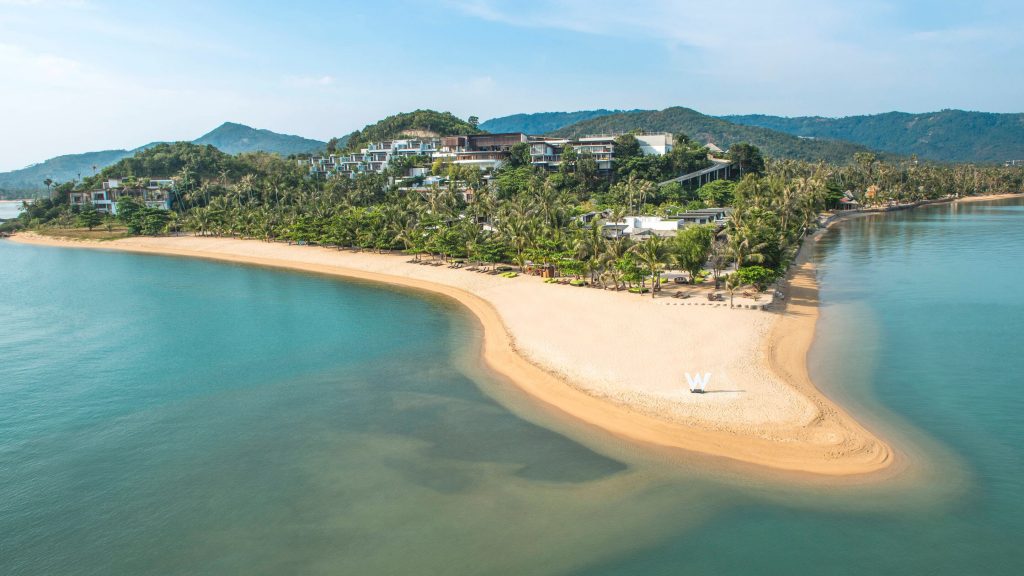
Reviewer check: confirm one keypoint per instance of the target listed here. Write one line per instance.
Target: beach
(619, 361)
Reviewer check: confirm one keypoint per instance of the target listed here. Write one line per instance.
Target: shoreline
(817, 438)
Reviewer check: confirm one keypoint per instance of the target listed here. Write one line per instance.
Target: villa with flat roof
(153, 192)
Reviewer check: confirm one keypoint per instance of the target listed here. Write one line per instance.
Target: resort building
(547, 152)
(643, 227)
(483, 151)
(153, 192)
(374, 158)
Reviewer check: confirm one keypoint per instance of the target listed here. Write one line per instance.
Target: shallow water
(9, 209)
(172, 416)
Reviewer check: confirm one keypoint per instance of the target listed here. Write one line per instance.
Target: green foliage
(626, 147)
(691, 248)
(756, 276)
(748, 158)
(721, 132)
(440, 123)
(541, 122)
(88, 217)
(946, 136)
(717, 193)
(232, 138)
(519, 155)
(140, 219)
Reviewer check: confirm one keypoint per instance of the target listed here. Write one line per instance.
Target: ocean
(9, 209)
(174, 416)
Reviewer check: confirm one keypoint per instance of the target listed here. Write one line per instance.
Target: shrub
(757, 276)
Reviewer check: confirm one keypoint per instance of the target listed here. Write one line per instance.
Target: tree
(717, 193)
(332, 145)
(626, 147)
(691, 248)
(473, 121)
(652, 253)
(757, 276)
(129, 210)
(89, 217)
(519, 155)
(748, 158)
(733, 283)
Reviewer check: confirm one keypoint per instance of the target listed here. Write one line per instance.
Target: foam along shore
(616, 360)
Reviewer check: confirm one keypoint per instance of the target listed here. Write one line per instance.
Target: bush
(639, 290)
(508, 274)
(757, 276)
(577, 282)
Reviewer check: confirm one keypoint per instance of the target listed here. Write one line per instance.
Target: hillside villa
(483, 151)
(156, 193)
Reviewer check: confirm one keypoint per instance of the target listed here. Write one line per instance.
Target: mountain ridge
(717, 131)
(948, 135)
(543, 122)
(229, 137)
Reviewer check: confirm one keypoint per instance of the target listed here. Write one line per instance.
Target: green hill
(229, 137)
(542, 122)
(720, 132)
(947, 136)
(28, 181)
(235, 138)
(418, 123)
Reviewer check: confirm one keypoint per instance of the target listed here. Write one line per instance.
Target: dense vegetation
(946, 136)
(542, 122)
(28, 182)
(419, 121)
(525, 214)
(716, 131)
(229, 137)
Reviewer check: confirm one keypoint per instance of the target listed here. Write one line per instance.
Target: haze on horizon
(83, 75)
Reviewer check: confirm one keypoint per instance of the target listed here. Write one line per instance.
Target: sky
(83, 75)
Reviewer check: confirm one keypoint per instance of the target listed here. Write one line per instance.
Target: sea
(163, 415)
(10, 209)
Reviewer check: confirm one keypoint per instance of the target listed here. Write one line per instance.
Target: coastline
(770, 415)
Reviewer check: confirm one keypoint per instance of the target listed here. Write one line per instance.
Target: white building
(655, 144)
(154, 193)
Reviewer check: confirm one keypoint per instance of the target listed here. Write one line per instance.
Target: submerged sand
(618, 360)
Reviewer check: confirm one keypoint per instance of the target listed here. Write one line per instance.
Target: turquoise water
(171, 416)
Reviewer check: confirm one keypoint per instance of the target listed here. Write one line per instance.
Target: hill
(235, 138)
(946, 136)
(229, 137)
(423, 123)
(717, 131)
(542, 122)
(60, 169)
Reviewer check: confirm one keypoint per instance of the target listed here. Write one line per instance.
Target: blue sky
(80, 75)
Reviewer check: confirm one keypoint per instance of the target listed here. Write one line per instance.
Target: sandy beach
(618, 360)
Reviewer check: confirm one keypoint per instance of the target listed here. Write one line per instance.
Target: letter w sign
(698, 382)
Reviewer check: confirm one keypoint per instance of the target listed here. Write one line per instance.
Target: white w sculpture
(698, 382)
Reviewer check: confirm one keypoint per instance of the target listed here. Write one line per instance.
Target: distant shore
(615, 360)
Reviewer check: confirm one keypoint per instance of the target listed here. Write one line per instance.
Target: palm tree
(653, 253)
(733, 283)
